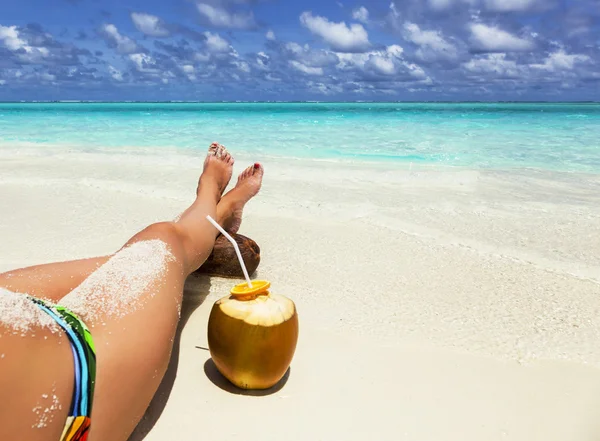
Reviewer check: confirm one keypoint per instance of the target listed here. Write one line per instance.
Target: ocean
(549, 136)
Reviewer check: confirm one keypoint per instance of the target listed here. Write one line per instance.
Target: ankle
(233, 200)
(224, 211)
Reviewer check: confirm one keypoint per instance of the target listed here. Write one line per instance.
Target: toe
(242, 175)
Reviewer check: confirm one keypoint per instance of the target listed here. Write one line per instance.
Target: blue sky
(211, 50)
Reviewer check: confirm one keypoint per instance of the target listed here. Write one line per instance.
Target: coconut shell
(223, 261)
(252, 340)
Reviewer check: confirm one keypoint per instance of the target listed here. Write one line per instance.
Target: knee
(168, 232)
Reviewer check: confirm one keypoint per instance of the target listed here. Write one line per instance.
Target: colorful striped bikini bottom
(78, 422)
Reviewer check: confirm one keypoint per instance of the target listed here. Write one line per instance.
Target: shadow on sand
(195, 292)
(219, 380)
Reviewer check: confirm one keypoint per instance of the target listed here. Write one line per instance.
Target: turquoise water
(557, 136)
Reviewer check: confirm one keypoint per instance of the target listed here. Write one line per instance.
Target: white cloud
(149, 24)
(143, 63)
(388, 62)
(361, 14)
(494, 39)
(306, 69)
(416, 71)
(295, 48)
(394, 11)
(339, 36)
(381, 65)
(222, 18)
(262, 61)
(2, 82)
(393, 18)
(243, 66)
(124, 44)
(432, 45)
(10, 38)
(215, 43)
(394, 50)
(270, 36)
(201, 57)
(34, 54)
(558, 63)
(310, 57)
(494, 64)
(115, 73)
(273, 78)
(189, 71)
(561, 61)
(46, 76)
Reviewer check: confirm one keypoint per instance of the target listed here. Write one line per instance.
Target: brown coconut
(223, 261)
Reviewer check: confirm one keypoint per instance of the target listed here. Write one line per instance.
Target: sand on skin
(438, 304)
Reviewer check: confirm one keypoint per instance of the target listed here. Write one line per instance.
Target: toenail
(256, 165)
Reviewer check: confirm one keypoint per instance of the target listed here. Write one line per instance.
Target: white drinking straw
(235, 246)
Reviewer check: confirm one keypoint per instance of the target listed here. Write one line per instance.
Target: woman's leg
(36, 372)
(134, 329)
(51, 281)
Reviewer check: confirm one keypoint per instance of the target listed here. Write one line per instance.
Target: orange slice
(258, 287)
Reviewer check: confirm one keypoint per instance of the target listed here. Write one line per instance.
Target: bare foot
(232, 204)
(218, 168)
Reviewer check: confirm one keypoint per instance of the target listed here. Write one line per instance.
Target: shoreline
(171, 154)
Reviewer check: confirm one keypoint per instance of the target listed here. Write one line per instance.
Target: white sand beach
(434, 303)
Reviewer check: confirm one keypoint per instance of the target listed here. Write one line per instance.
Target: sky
(297, 50)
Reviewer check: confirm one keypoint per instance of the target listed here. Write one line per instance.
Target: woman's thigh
(131, 306)
(36, 372)
(51, 281)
